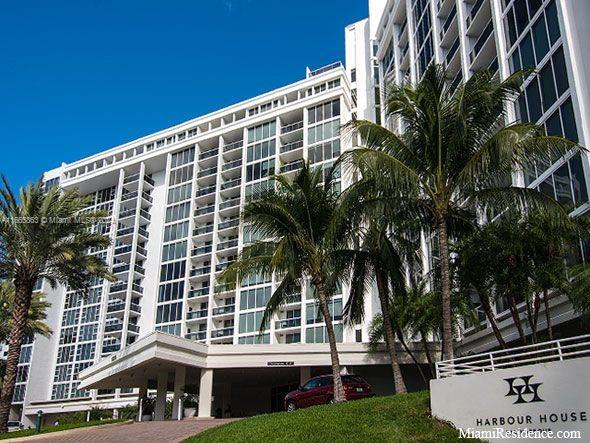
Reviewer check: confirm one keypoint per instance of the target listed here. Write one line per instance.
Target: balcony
(118, 287)
(201, 250)
(204, 210)
(326, 68)
(127, 213)
(227, 244)
(481, 41)
(473, 13)
(231, 203)
(288, 323)
(120, 306)
(292, 166)
(222, 265)
(231, 165)
(194, 293)
(207, 172)
(203, 270)
(292, 127)
(133, 328)
(128, 196)
(113, 327)
(292, 146)
(193, 315)
(447, 23)
(201, 335)
(208, 154)
(224, 332)
(202, 230)
(228, 224)
(222, 310)
(125, 231)
(231, 146)
(452, 51)
(206, 191)
(107, 349)
(231, 184)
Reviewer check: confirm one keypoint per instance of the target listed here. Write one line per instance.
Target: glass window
(534, 100)
(563, 189)
(552, 22)
(569, 121)
(578, 180)
(526, 52)
(547, 86)
(560, 71)
(540, 38)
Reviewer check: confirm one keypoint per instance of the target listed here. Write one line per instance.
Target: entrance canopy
(160, 352)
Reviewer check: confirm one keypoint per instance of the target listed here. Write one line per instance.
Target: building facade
(174, 200)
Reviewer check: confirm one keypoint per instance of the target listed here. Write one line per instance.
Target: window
(181, 175)
(179, 193)
(173, 271)
(85, 351)
(174, 251)
(255, 190)
(261, 150)
(251, 321)
(178, 212)
(255, 298)
(171, 291)
(169, 312)
(263, 169)
(170, 329)
(254, 339)
(88, 332)
(25, 354)
(318, 334)
(353, 75)
(260, 132)
(323, 151)
(323, 131)
(183, 157)
(313, 313)
(325, 111)
(176, 231)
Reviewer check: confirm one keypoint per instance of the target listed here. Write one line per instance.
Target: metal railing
(556, 350)
(326, 68)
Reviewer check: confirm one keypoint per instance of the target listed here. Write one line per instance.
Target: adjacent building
(174, 200)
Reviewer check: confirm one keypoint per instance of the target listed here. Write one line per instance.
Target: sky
(81, 76)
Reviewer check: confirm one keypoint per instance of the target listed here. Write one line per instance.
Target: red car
(320, 390)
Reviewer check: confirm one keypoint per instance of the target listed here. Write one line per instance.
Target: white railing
(556, 350)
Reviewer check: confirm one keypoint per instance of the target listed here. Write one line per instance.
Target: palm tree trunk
(428, 354)
(383, 292)
(400, 336)
(447, 326)
(547, 315)
(516, 320)
(339, 396)
(487, 309)
(20, 312)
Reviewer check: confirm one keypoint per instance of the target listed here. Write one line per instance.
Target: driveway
(151, 431)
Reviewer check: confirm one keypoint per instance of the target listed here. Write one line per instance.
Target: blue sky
(77, 77)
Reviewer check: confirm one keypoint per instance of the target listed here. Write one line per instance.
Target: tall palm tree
(42, 235)
(378, 261)
(301, 223)
(36, 317)
(455, 152)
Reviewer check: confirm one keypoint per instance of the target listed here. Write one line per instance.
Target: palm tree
(377, 260)
(455, 152)
(36, 317)
(42, 235)
(301, 223)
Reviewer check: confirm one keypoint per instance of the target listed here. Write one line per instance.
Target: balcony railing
(326, 68)
(231, 184)
(292, 146)
(225, 332)
(201, 250)
(232, 165)
(200, 335)
(227, 309)
(207, 172)
(133, 328)
(203, 230)
(230, 203)
(113, 327)
(288, 323)
(227, 244)
(203, 270)
(119, 287)
(228, 224)
(481, 41)
(208, 154)
(191, 315)
(474, 10)
(206, 191)
(198, 292)
(204, 210)
(292, 166)
(452, 51)
(448, 21)
(232, 146)
(107, 349)
(292, 127)
(556, 350)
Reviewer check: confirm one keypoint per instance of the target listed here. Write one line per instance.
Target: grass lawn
(64, 427)
(379, 419)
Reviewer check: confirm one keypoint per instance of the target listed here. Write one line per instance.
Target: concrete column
(304, 374)
(141, 396)
(179, 381)
(160, 408)
(205, 393)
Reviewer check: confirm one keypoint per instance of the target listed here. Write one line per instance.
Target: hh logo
(523, 389)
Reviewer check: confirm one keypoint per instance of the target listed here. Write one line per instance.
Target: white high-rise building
(174, 201)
